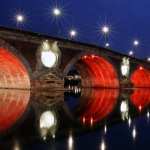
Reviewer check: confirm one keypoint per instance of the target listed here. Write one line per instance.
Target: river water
(92, 119)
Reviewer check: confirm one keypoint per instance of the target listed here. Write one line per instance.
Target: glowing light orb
(47, 120)
(20, 18)
(131, 53)
(107, 45)
(73, 33)
(135, 42)
(48, 58)
(148, 59)
(56, 12)
(105, 29)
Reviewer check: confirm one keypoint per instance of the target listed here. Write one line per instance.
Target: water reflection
(48, 124)
(70, 142)
(129, 121)
(140, 98)
(105, 129)
(134, 133)
(96, 105)
(53, 116)
(103, 145)
(13, 104)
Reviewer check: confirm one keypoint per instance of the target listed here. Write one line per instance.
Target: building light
(48, 59)
(49, 54)
(125, 67)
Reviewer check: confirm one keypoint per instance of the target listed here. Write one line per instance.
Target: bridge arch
(95, 71)
(14, 70)
(140, 77)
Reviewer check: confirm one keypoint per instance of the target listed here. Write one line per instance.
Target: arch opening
(141, 77)
(97, 72)
(13, 72)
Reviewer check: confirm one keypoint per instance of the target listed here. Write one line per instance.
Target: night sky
(128, 20)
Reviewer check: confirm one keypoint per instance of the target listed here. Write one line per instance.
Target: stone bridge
(34, 60)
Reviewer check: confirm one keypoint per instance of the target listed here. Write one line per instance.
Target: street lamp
(107, 45)
(148, 59)
(57, 12)
(105, 29)
(131, 53)
(135, 42)
(73, 33)
(20, 18)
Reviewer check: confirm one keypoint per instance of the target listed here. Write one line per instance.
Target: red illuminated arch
(100, 73)
(140, 98)
(97, 105)
(13, 73)
(141, 77)
(13, 104)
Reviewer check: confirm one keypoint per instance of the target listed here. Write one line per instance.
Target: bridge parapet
(71, 53)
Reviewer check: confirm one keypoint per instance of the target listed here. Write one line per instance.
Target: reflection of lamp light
(148, 114)
(47, 120)
(17, 146)
(129, 121)
(134, 133)
(105, 129)
(124, 109)
(48, 124)
(103, 145)
(70, 142)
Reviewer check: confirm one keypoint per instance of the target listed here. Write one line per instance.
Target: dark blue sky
(128, 20)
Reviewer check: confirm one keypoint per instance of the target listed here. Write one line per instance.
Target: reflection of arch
(96, 71)
(13, 104)
(13, 69)
(141, 77)
(96, 106)
(140, 98)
